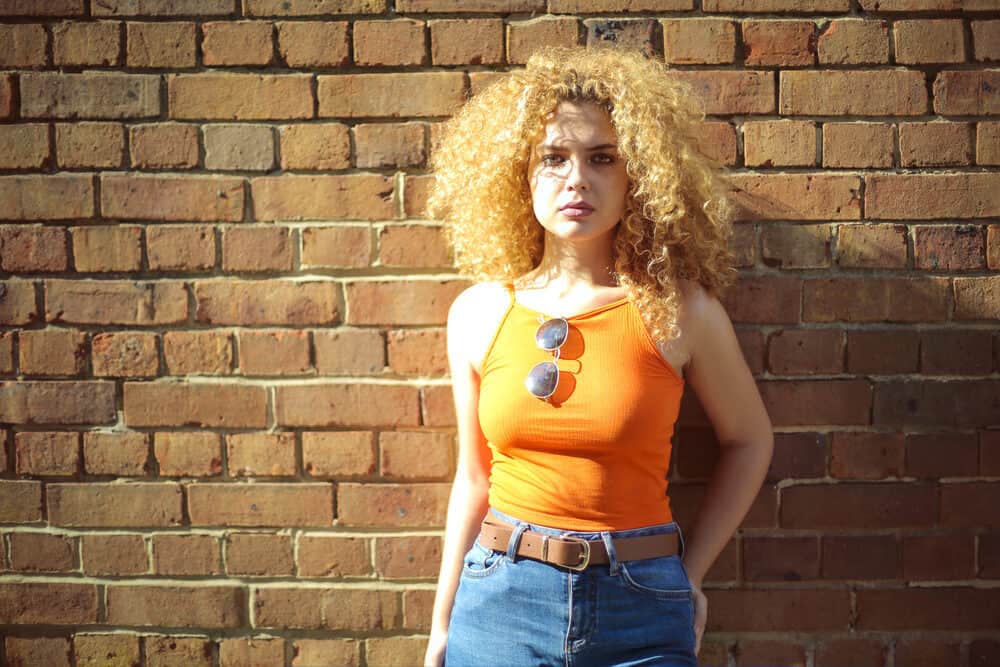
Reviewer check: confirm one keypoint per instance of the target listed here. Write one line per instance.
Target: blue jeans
(520, 612)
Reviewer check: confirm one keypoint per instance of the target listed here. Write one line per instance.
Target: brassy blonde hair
(677, 220)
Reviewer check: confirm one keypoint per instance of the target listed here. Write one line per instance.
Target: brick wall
(224, 407)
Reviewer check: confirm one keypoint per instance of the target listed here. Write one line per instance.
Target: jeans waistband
(656, 529)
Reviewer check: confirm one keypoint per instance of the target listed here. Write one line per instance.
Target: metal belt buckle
(585, 554)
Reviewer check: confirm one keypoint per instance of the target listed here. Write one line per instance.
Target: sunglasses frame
(545, 364)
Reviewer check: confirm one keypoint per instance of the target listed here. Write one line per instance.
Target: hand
(434, 657)
(700, 615)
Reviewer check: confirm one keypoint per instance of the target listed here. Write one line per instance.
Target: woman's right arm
(468, 502)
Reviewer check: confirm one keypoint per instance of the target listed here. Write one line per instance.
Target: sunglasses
(543, 378)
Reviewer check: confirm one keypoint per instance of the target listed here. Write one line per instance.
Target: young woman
(574, 195)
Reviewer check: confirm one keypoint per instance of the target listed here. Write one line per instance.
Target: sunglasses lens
(542, 379)
(552, 334)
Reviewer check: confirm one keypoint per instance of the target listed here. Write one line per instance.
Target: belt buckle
(585, 560)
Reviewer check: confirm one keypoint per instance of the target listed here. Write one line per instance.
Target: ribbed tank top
(596, 456)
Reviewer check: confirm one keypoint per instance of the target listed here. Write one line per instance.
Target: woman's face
(577, 160)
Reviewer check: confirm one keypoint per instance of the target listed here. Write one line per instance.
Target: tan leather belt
(572, 552)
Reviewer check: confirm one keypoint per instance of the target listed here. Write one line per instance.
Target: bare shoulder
(473, 318)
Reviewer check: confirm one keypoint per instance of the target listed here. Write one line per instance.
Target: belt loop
(515, 539)
(609, 546)
(680, 539)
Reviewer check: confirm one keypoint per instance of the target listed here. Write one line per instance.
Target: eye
(551, 159)
(604, 158)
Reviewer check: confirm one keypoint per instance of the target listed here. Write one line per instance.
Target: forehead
(575, 122)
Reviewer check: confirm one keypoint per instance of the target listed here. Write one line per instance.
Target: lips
(578, 205)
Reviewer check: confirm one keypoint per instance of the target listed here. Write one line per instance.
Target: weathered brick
(261, 454)
(23, 45)
(48, 603)
(929, 196)
(24, 146)
(125, 354)
(115, 302)
(54, 8)
(163, 8)
(699, 40)
(967, 92)
(416, 189)
(935, 144)
(412, 246)
(503, 6)
(240, 147)
(731, 92)
(418, 352)
(261, 504)
(326, 556)
(746, 303)
(53, 351)
(6, 95)
(319, 405)
(156, 197)
(198, 352)
(921, 41)
(418, 606)
(292, 197)
(866, 455)
(237, 42)
(717, 140)
(859, 505)
(114, 554)
(407, 557)
(466, 41)
(988, 143)
(394, 302)
(86, 43)
(524, 37)
(949, 247)
(164, 146)
(895, 92)
(392, 43)
(393, 651)
(936, 455)
(341, 246)
(805, 351)
(32, 248)
(122, 454)
(38, 552)
(992, 248)
(177, 606)
(773, 143)
(53, 651)
(22, 501)
(181, 454)
(240, 96)
(338, 454)
(854, 42)
(404, 505)
(89, 95)
(924, 5)
(315, 43)
(349, 351)
(798, 196)
(262, 302)
(351, 609)
(802, 402)
(313, 7)
(975, 298)
(251, 651)
(390, 94)
(194, 651)
(779, 42)
(315, 146)
(937, 608)
(905, 299)
(985, 40)
(91, 649)
(48, 197)
(257, 248)
(776, 5)
(107, 248)
(186, 554)
(274, 352)
(780, 558)
(379, 145)
(110, 505)
(415, 455)
(169, 44)
(859, 145)
(868, 245)
(933, 404)
(259, 554)
(90, 144)
(927, 652)
(7, 358)
(180, 247)
(181, 404)
(57, 402)
(17, 302)
(46, 452)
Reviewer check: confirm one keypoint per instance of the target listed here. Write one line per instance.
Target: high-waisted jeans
(518, 612)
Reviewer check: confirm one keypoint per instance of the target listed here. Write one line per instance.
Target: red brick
(865, 557)
(401, 302)
(855, 652)
(47, 452)
(938, 557)
(259, 554)
(47, 197)
(198, 352)
(765, 651)
(325, 197)
(775, 5)
(928, 609)
(169, 44)
(870, 300)
(274, 352)
(525, 37)
(261, 454)
(164, 146)
(107, 248)
(89, 95)
(86, 43)
(923, 41)
(415, 192)
(39, 552)
(260, 504)
(854, 42)
(779, 42)
(895, 92)
(156, 197)
(48, 603)
(969, 505)
(858, 455)
(172, 649)
(699, 40)
(340, 246)
(24, 146)
(414, 455)
(407, 557)
(948, 247)
(402, 505)
(125, 354)
(988, 143)
(182, 454)
(985, 40)
(935, 455)
(7, 359)
(315, 146)
(115, 302)
(23, 45)
(341, 454)
(504, 6)
(966, 92)
(121, 454)
(22, 501)
(180, 247)
(466, 41)
(237, 43)
(319, 405)
(210, 405)
(927, 196)
(262, 302)
(313, 7)
(111, 505)
(314, 43)
(796, 246)
(349, 352)
(328, 651)
(177, 606)
(240, 96)
(717, 140)
(114, 554)
(251, 651)
(175, 554)
(91, 649)
(798, 196)
(954, 351)
(240, 147)
(975, 298)
(393, 651)
(793, 609)
(390, 94)
(392, 43)
(380, 145)
(163, 8)
(780, 558)
(326, 556)
(90, 144)
(437, 406)
(744, 304)
(256, 249)
(989, 452)
(924, 5)
(53, 352)
(935, 144)
(418, 352)
(859, 505)
(6, 95)
(779, 143)
(32, 248)
(638, 34)
(797, 455)
(327, 608)
(417, 607)
(989, 555)
(57, 402)
(910, 404)
(809, 351)
(48, 651)
(723, 92)
(869, 245)
(927, 652)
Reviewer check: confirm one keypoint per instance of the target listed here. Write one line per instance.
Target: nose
(576, 178)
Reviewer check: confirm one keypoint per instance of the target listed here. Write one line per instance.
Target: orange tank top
(595, 456)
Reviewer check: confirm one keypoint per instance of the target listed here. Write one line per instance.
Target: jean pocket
(663, 576)
(481, 561)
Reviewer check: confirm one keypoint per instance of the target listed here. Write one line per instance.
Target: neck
(567, 265)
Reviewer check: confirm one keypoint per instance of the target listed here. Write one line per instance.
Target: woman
(597, 235)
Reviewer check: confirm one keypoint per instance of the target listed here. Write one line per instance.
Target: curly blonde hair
(678, 217)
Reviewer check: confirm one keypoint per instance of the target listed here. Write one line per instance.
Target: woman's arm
(468, 502)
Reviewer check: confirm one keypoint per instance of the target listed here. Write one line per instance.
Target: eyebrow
(553, 147)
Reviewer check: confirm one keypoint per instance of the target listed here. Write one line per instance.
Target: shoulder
(473, 317)
(476, 300)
